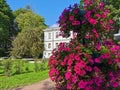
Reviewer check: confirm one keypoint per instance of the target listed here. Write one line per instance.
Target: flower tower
(91, 61)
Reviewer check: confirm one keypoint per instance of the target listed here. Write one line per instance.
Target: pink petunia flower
(98, 81)
(69, 86)
(104, 15)
(82, 72)
(115, 84)
(98, 46)
(77, 57)
(98, 15)
(89, 88)
(96, 69)
(91, 60)
(71, 18)
(97, 60)
(95, 32)
(101, 5)
(92, 21)
(82, 84)
(53, 61)
(70, 62)
(82, 64)
(76, 23)
(68, 75)
(76, 11)
(63, 63)
(111, 21)
(88, 68)
(88, 36)
(74, 79)
(88, 13)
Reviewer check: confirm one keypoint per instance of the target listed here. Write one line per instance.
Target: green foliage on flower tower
(91, 61)
(115, 12)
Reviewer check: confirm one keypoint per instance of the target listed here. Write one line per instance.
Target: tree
(28, 44)
(18, 12)
(22, 10)
(30, 20)
(27, 19)
(6, 27)
(29, 41)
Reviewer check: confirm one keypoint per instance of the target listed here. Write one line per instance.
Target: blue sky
(49, 9)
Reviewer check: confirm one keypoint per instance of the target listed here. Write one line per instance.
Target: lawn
(25, 77)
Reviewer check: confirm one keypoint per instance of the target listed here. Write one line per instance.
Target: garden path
(46, 84)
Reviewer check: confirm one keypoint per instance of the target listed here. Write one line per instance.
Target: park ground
(46, 84)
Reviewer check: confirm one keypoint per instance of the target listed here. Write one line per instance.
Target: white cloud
(55, 25)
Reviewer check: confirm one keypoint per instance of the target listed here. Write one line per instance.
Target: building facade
(52, 40)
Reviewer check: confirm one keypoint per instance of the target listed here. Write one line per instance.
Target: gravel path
(43, 85)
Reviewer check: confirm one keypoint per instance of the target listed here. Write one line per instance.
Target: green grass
(22, 79)
(25, 77)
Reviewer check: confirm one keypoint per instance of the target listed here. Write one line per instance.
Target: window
(56, 45)
(56, 34)
(49, 35)
(49, 45)
(45, 46)
(48, 54)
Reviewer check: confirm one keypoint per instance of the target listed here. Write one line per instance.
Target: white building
(51, 40)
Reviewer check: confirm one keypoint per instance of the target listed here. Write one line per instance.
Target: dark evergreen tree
(6, 27)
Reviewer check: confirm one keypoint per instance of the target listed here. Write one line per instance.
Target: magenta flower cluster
(94, 15)
(70, 19)
(72, 68)
(91, 60)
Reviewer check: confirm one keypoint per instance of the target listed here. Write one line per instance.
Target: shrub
(43, 65)
(18, 65)
(91, 61)
(7, 67)
(12, 67)
(36, 67)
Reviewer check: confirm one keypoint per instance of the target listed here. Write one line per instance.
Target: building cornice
(51, 29)
(57, 40)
